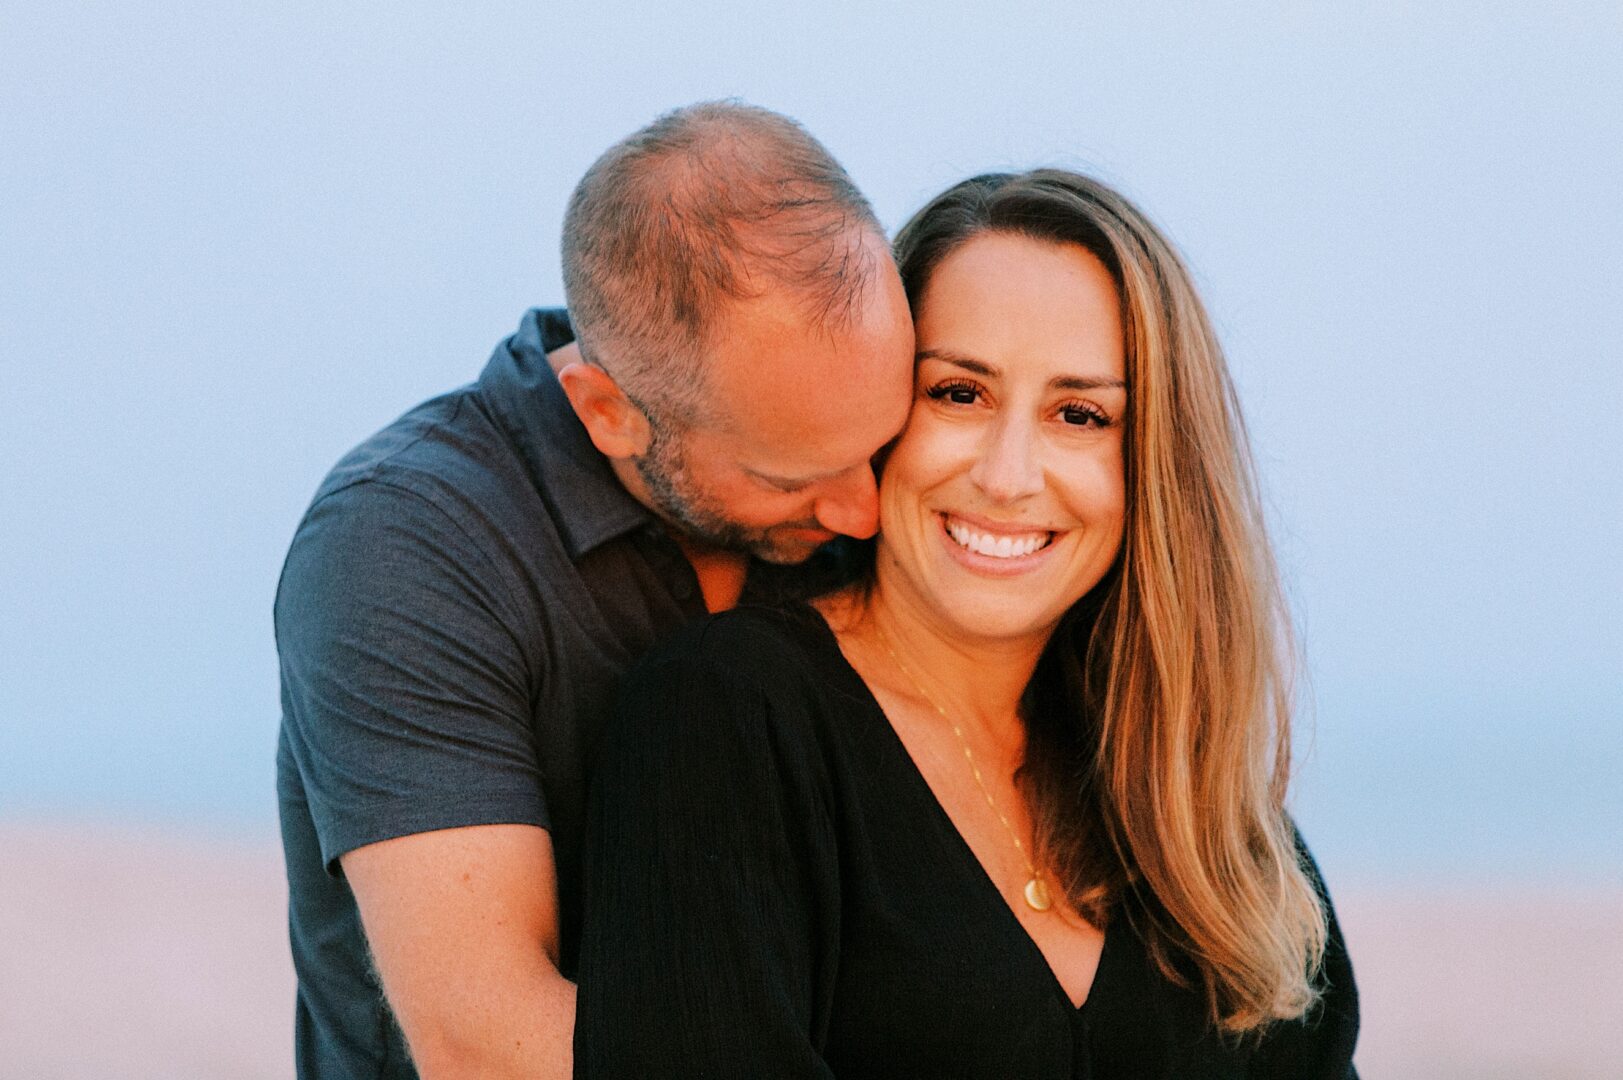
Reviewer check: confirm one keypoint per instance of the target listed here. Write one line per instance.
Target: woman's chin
(995, 619)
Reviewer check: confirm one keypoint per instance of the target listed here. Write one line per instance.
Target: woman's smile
(996, 550)
(994, 540)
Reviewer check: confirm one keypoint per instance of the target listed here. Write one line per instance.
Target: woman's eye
(954, 393)
(1083, 415)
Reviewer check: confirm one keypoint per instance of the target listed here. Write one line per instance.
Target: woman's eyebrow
(976, 367)
(982, 368)
(1088, 382)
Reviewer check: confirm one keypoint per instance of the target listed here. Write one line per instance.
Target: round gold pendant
(1037, 897)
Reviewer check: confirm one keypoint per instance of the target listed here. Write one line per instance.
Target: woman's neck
(978, 680)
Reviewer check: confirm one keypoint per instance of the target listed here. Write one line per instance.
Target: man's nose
(1009, 467)
(851, 506)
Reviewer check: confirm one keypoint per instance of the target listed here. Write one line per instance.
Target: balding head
(747, 338)
(708, 207)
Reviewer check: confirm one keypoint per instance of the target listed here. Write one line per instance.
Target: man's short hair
(708, 205)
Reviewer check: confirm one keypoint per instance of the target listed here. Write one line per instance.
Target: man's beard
(663, 469)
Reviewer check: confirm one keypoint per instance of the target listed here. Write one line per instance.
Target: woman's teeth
(998, 547)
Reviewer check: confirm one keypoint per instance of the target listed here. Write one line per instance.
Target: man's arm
(463, 927)
(407, 676)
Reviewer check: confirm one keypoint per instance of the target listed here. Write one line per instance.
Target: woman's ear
(617, 427)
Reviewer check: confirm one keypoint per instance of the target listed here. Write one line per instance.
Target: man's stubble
(663, 469)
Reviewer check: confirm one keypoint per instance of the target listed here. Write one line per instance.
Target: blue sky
(234, 240)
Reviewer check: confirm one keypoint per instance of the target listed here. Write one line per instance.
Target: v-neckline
(922, 790)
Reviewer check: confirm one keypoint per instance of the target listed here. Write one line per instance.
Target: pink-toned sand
(129, 954)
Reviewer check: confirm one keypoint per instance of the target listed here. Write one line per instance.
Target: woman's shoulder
(746, 672)
(772, 647)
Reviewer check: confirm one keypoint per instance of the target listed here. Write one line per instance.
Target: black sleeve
(404, 688)
(711, 881)
(1320, 1045)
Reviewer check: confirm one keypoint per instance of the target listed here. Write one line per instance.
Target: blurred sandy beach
(142, 954)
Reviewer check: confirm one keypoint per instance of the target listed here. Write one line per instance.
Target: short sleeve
(404, 686)
(710, 942)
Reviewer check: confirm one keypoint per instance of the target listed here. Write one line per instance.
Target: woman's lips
(995, 549)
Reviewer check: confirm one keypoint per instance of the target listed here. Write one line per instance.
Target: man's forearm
(523, 1031)
(463, 928)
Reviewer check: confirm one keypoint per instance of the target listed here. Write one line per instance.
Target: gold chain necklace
(1036, 891)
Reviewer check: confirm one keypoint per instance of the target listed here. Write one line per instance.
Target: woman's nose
(1009, 467)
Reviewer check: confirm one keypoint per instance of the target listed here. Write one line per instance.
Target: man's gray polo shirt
(455, 611)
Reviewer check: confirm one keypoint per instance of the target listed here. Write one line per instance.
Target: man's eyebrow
(989, 371)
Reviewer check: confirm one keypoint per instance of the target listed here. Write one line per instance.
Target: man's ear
(617, 427)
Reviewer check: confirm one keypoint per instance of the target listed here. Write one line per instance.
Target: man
(468, 584)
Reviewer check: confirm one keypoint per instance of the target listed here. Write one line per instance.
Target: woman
(1011, 803)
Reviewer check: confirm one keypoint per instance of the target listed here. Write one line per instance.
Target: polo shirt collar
(582, 493)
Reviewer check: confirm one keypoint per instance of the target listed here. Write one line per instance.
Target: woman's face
(1002, 503)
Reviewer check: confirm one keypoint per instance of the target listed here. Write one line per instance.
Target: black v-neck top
(772, 890)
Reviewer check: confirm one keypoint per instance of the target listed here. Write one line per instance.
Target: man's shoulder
(442, 448)
(448, 459)
(504, 457)
(437, 495)
(456, 444)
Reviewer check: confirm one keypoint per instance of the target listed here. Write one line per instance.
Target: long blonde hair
(1165, 800)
